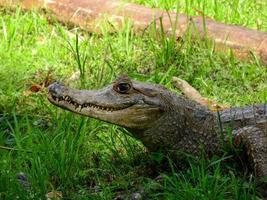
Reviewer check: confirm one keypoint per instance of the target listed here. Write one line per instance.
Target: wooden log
(88, 14)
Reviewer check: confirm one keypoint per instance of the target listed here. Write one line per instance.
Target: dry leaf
(54, 195)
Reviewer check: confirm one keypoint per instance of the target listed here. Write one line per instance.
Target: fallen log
(88, 14)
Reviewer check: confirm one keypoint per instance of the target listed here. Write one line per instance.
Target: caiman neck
(184, 122)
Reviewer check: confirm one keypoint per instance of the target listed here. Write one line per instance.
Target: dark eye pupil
(123, 87)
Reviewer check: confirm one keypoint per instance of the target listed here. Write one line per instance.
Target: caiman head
(130, 104)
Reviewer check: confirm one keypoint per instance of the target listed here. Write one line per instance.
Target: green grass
(87, 159)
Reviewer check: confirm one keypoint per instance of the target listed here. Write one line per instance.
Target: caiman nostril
(54, 87)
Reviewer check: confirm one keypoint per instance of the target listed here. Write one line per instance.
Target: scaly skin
(167, 122)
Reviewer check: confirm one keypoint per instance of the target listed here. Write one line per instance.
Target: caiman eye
(123, 88)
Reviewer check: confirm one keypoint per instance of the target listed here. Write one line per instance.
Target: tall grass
(86, 159)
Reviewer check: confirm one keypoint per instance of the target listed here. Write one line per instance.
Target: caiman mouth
(67, 102)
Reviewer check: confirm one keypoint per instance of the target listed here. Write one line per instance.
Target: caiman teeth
(79, 107)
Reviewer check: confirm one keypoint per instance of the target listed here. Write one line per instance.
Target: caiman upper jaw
(59, 95)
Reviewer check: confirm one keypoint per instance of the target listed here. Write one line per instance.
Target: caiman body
(166, 122)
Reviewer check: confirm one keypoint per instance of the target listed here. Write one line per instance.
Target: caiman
(167, 122)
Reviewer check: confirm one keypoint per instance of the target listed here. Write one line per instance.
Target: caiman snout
(55, 89)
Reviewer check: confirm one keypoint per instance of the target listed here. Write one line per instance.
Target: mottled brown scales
(164, 121)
